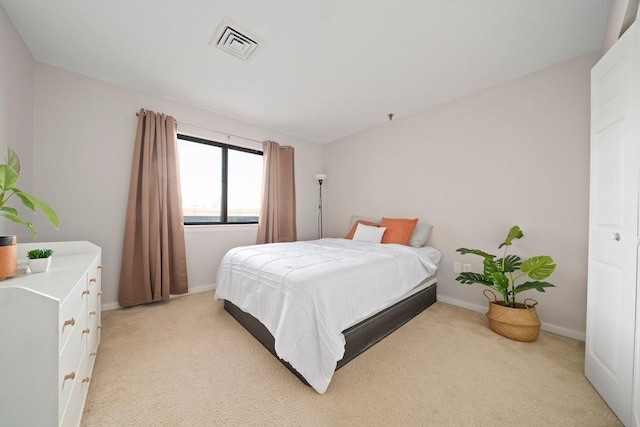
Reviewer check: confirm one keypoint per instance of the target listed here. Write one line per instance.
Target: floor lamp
(320, 177)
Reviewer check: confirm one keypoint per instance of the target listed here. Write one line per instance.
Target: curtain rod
(214, 130)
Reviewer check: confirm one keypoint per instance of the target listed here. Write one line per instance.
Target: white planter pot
(39, 265)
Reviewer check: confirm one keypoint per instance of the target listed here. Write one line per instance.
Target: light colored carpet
(188, 363)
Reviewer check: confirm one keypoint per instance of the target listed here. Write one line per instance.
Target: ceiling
(325, 69)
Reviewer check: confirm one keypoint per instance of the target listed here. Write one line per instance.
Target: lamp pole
(320, 177)
(320, 206)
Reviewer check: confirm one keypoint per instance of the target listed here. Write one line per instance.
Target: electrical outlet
(457, 267)
(466, 267)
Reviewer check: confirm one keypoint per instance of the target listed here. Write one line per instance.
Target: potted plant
(9, 174)
(518, 321)
(39, 260)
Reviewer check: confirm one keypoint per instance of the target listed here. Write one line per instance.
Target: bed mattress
(307, 293)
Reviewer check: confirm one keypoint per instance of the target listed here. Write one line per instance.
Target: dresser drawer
(72, 414)
(93, 339)
(94, 297)
(71, 369)
(93, 321)
(70, 310)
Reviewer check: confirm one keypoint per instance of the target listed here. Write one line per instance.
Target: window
(221, 184)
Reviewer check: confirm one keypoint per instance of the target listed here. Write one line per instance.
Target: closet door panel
(613, 223)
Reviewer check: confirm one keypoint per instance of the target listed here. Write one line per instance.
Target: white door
(613, 223)
(635, 417)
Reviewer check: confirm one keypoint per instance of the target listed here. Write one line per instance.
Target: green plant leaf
(514, 233)
(511, 263)
(469, 278)
(24, 197)
(8, 178)
(19, 220)
(490, 267)
(11, 210)
(483, 254)
(9, 173)
(500, 281)
(40, 205)
(539, 286)
(13, 160)
(538, 267)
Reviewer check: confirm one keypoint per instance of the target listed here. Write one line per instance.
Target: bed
(318, 304)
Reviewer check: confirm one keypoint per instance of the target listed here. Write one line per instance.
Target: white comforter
(307, 293)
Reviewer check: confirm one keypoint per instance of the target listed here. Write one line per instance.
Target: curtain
(277, 222)
(154, 262)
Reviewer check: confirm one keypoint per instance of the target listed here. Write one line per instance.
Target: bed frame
(359, 337)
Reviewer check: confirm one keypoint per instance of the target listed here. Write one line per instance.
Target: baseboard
(463, 304)
(110, 306)
(570, 333)
(196, 290)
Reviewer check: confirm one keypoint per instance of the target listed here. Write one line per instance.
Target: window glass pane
(200, 180)
(244, 186)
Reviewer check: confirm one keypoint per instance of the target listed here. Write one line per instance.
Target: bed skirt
(358, 337)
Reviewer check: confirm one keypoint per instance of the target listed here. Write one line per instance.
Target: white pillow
(368, 233)
(420, 235)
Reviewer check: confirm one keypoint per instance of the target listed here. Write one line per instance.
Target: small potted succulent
(39, 260)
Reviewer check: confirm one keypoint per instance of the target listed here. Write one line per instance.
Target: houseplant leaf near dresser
(9, 174)
(517, 321)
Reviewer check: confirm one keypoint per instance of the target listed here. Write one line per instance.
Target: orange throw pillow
(399, 230)
(355, 225)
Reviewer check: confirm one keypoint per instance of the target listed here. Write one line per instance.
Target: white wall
(517, 153)
(16, 112)
(83, 145)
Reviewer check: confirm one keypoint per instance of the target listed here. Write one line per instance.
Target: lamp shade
(320, 176)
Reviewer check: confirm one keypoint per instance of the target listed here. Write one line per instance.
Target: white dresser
(49, 336)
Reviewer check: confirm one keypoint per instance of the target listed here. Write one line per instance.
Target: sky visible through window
(200, 179)
(245, 184)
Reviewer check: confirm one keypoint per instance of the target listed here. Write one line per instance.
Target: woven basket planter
(520, 323)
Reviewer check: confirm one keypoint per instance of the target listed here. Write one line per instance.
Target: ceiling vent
(235, 40)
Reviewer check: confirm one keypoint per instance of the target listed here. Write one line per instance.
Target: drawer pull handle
(93, 280)
(86, 331)
(93, 353)
(70, 376)
(92, 313)
(100, 267)
(71, 322)
(86, 379)
(99, 326)
(100, 293)
(86, 292)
